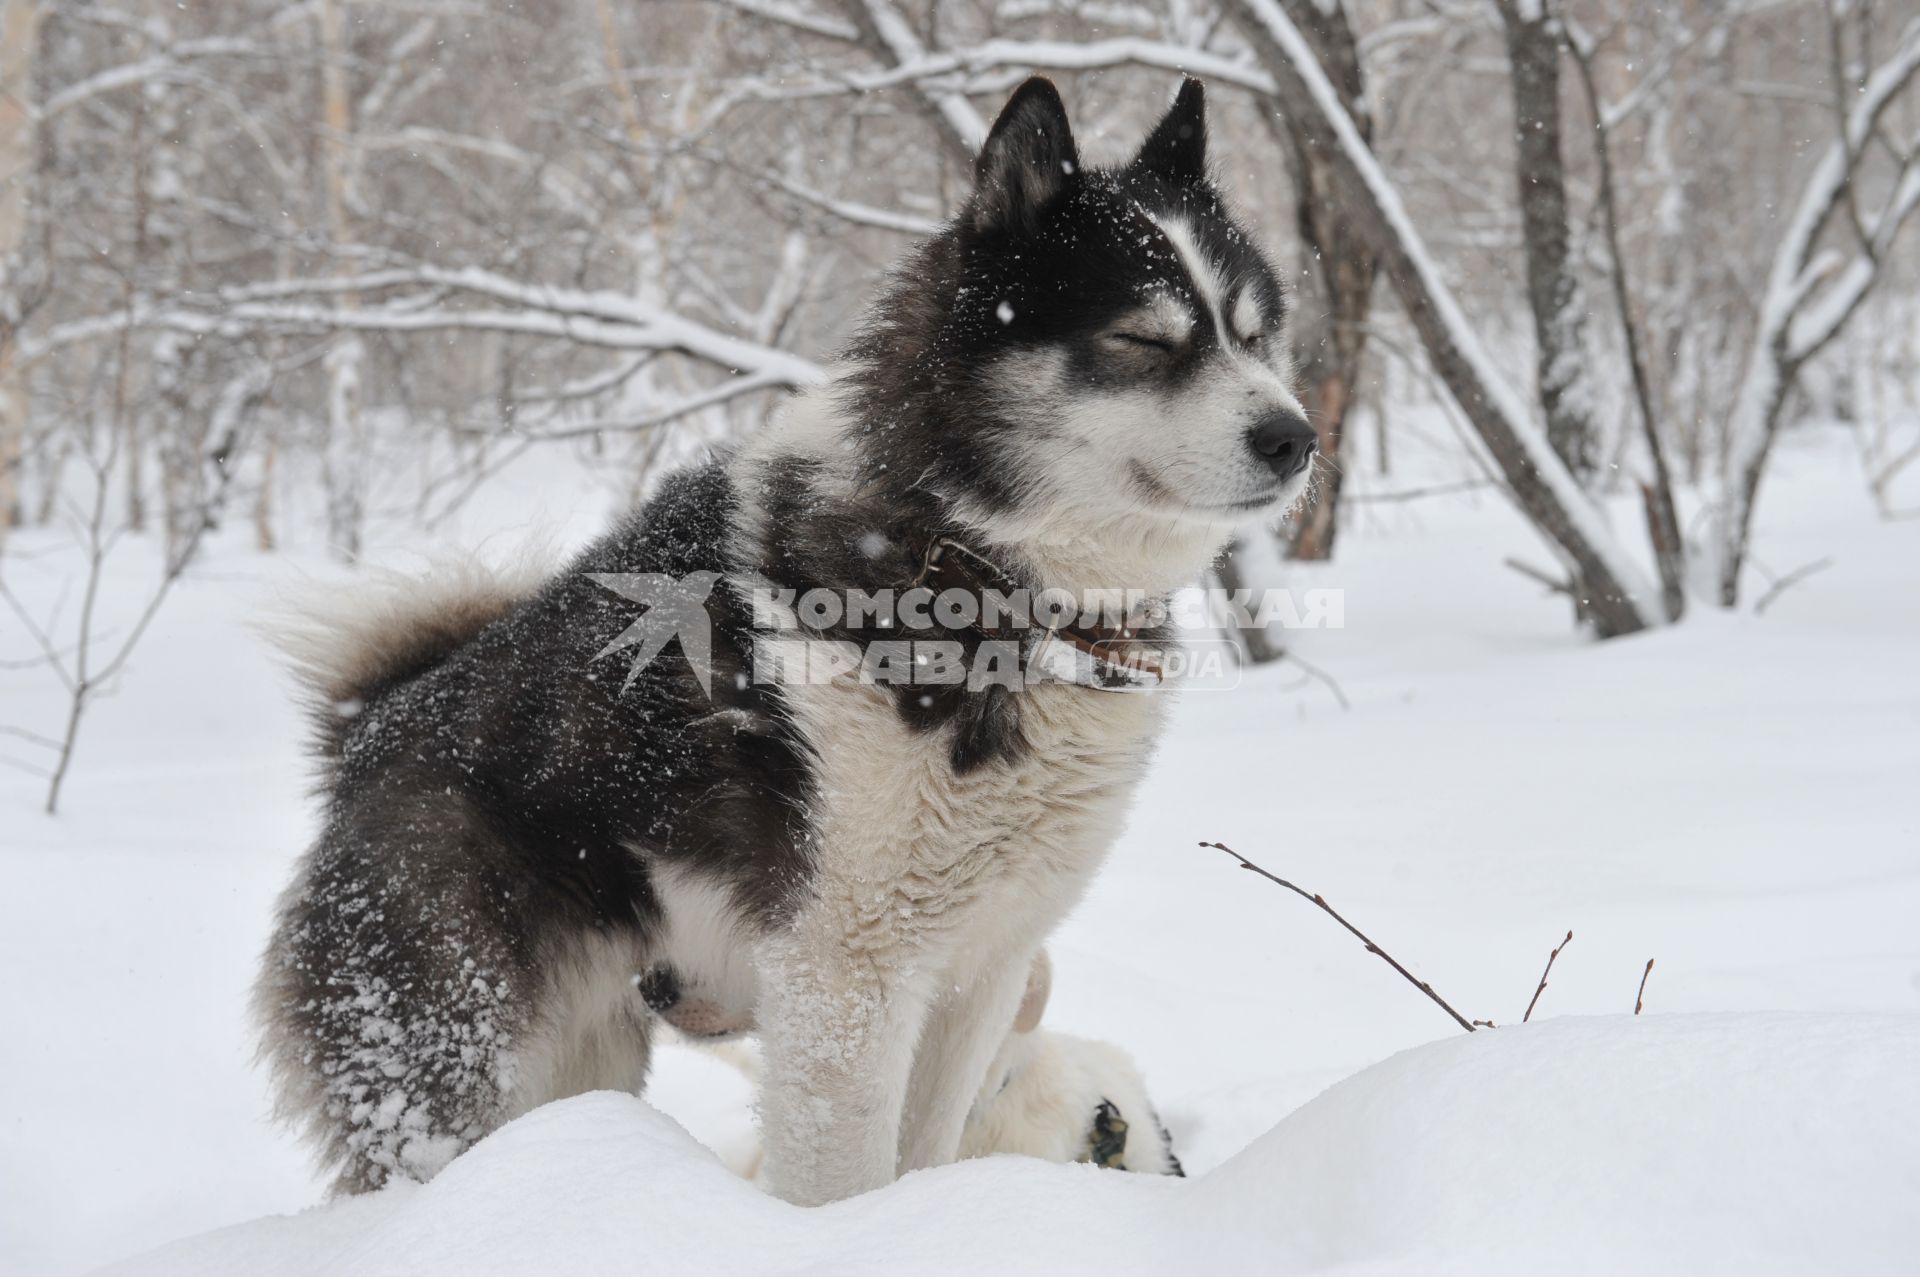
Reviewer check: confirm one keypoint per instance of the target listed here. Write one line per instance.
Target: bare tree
(1609, 586)
(1812, 291)
(346, 446)
(1656, 490)
(1330, 332)
(1554, 295)
(87, 660)
(23, 263)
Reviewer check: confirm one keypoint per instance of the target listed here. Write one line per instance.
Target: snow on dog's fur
(527, 854)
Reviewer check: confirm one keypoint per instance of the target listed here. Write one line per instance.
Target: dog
(532, 850)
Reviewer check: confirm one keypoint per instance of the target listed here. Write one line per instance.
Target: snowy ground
(1733, 797)
(1578, 1145)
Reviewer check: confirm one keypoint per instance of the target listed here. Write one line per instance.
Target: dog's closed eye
(1249, 325)
(1142, 341)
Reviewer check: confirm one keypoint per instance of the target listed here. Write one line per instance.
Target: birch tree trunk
(345, 455)
(19, 33)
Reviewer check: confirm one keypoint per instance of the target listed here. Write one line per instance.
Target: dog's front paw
(1069, 1099)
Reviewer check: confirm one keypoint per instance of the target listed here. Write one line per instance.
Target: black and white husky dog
(528, 854)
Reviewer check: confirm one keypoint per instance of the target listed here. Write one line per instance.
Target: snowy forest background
(284, 263)
(1608, 312)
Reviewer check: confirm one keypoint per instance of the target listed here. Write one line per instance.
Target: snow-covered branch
(791, 14)
(600, 318)
(1025, 55)
(724, 393)
(169, 64)
(853, 211)
(887, 34)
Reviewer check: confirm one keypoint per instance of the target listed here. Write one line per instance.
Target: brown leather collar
(948, 564)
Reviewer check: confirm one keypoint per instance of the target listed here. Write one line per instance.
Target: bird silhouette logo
(676, 608)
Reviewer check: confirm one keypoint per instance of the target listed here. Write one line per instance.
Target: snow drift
(1754, 1143)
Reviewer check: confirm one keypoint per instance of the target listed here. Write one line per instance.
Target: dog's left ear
(1027, 161)
(1177, 147)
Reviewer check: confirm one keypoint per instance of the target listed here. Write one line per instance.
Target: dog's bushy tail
(349, 644)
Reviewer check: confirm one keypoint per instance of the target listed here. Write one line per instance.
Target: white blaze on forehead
(1200, 268)
(1212, 289)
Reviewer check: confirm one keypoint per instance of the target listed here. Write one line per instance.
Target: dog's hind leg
(591, 1028)
(421, 989)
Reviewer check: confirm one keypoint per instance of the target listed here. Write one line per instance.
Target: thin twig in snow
(1358, 934)
(1787, 582)
(1543, 977)
(49, 651)
(1417, 494)
(1640, 998)
(32, 738)
(1545, 578)
(1314, 671)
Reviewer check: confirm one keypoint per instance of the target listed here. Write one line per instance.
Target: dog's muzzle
(1285, 441)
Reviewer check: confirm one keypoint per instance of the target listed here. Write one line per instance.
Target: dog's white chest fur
(907, 847)
(890, 988)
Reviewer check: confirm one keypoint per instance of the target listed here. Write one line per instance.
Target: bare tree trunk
(345, 455)
(263, 538)
(1329, 332)
(125, 419)
(1330, 336)
(1553, 290)
(1656, 494)
(617, 73)
(19, 34)
(53, 473)
(13, 441)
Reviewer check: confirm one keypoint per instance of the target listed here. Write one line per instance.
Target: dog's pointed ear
(1177, 147)
(1027, 161)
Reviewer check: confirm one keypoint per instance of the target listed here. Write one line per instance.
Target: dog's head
(1112, 335)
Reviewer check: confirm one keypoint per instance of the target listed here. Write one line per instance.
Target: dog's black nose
(1284, 441)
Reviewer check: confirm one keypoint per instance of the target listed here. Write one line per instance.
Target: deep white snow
(1669, 1144)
